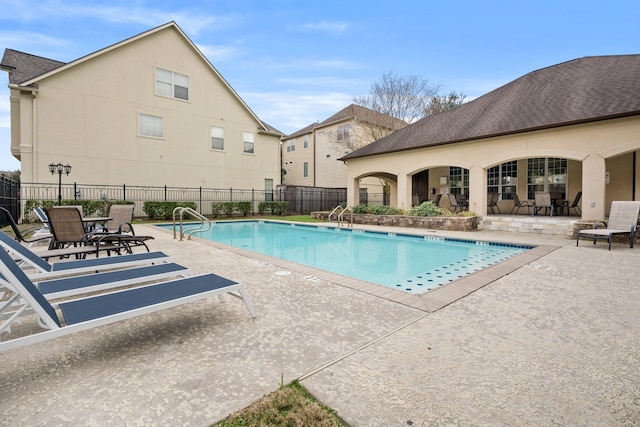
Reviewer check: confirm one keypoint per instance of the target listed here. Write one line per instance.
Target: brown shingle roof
(578, 91)
(24, 66)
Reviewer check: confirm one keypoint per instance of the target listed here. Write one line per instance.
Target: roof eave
(495, 135)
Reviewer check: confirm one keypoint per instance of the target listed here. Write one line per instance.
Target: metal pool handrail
(347, 209)
(202, 226)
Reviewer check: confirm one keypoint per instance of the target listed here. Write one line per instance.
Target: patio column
(403, 197)
(353, 193)
(593, 187)
(478, 190)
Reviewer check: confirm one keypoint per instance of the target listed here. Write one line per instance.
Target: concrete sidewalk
(555, 342)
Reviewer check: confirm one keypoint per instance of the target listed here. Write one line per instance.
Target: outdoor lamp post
(59, 168)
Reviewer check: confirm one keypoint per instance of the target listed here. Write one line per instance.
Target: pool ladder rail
(203, 224)
(340, 215)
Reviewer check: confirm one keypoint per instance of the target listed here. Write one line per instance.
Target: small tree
(438, 104)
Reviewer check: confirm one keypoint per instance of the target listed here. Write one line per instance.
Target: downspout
(34, 136)
(633, 181)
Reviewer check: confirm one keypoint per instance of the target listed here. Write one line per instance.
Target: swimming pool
(414, 264)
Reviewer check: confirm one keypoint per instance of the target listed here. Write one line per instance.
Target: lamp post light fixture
(59, 168)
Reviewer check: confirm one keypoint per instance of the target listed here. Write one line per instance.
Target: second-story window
(291, 145)
(217, 138)
(151, 126)
(305, 141)
(247, 143)
(173, 85)
(343, 133)
(305, 169)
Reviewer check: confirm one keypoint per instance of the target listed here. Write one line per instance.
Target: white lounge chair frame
(91, 312)
(45, 270)
(623, 219)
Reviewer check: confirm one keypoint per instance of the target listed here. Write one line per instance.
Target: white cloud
(328, 27)
(217, 53)
(290, 111)
(24, 39)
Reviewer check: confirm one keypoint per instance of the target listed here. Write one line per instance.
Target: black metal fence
(301, 200)
(9, 198)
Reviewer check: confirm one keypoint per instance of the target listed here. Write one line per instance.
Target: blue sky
(295, 62)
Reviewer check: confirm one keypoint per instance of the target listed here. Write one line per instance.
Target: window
(173, 85)
(149, 125)
(305, 169)
(291, 145)
(343, 133)
(458, 180)
(546, 174)
(217, 138)
(268, 190)
(503, 179)
(247, 142)
(305, 141)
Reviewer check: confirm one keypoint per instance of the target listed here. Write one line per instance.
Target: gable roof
(24, 66)
(350, 112)
(579, 91)
(26, 70)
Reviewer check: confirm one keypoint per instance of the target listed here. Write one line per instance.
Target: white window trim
(211, 136)
(246, 140)
(143, 135)
(173, 85)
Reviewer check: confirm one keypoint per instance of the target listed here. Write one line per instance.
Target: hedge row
(164, 210)
(272, 208)
(89, 207)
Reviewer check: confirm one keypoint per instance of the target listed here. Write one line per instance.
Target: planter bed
(450, 223)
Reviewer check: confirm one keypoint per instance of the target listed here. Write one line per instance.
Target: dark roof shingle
(578, 91)
(24, 66)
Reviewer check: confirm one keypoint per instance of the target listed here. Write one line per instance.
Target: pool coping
(429, 301)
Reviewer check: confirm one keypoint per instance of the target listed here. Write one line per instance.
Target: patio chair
(458, 204)
(102, 309)
(68, 230)
(571, 205)
(542, 200)
(20, 236)
(42, 216)
(45, 270)
(493, 201)
(623, 219)
(517, 204)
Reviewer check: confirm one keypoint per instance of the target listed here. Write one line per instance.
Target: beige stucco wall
(293, 161)
(586, 146)
(87, 116)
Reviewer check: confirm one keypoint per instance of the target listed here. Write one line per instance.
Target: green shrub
(216, 208)
(272, 208)
(244, 208)
(376, 210)
(164, 210)
(425, 209)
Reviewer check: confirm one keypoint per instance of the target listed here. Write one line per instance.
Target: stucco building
(149, 110)
(310, 155)
(567, 128)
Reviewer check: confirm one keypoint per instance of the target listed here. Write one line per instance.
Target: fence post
(124, 192)
(231, 194)
(75, 191)
(165, 193)
(253, 202)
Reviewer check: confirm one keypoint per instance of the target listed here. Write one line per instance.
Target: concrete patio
(555, 341)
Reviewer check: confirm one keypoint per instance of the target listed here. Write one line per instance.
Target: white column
(593, 187)
(478, 190)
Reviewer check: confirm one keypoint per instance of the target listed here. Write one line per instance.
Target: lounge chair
(571, 205)
(120, 222)
(68, 230)
(45, 270)
(102, 309)
(623, 219)
(83, 284)
(20, 236)
(493, 202)
(517, 204)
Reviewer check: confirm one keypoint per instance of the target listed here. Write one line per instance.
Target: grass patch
(290, 405)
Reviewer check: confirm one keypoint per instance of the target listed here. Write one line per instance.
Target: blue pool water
(414, 264)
